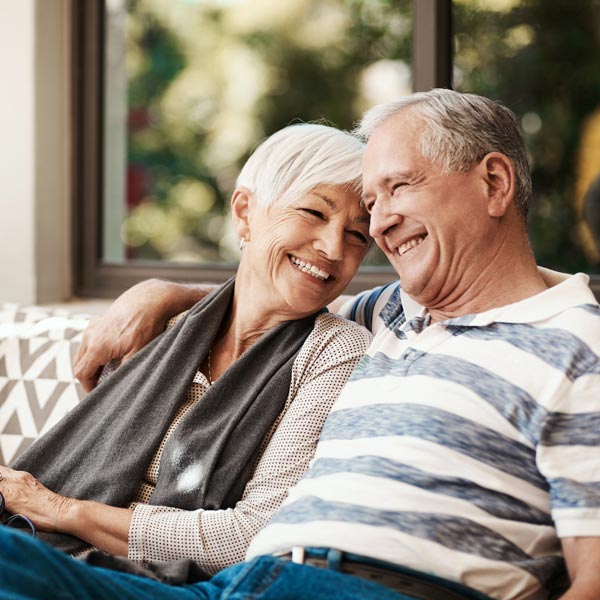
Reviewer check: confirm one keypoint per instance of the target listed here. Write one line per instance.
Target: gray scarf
(102, 448)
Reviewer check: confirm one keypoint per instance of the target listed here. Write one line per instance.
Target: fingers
(87, 375)
(135, 318)
(87, 370)
(92, 355)
(88, 379)
(6, 472)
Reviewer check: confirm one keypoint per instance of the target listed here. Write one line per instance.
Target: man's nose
(383, 218)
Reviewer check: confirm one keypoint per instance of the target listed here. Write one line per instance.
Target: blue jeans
(30, 568)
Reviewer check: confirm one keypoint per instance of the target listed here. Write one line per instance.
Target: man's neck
(500, 283)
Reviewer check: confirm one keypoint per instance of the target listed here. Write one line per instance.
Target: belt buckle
(298, 555)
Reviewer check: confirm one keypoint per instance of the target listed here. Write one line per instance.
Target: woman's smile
(310, 269)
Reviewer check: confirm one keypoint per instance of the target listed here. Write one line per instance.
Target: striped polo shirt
(464, 448)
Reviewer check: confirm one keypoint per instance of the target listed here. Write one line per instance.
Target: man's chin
(415, 286)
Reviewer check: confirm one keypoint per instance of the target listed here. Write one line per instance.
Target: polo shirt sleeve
(568, 456)
(365, 307)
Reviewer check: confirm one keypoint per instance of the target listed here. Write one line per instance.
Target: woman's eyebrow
(331, 203)
(327, 200)
(363, 219)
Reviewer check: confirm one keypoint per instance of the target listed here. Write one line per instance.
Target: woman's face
(303, 254)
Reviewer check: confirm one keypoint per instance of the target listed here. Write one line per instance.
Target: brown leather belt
(403, 582)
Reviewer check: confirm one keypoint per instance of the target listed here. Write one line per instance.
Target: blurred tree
(540, 58)
(207, 81)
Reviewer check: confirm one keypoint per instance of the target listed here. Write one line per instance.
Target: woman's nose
(330, 243)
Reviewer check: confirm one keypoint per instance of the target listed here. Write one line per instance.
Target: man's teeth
(306, 267)
(410, 244)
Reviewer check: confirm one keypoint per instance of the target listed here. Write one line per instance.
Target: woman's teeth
(410, 244)
(306, 267)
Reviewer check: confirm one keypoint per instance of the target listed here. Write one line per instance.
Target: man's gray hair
(459, 130)
(300, 157)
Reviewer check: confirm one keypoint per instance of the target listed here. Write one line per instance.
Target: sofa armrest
(37, 385)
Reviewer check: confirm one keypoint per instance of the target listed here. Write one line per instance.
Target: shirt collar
(563, 291)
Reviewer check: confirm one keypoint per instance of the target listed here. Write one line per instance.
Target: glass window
(541, 59)
(190, 88)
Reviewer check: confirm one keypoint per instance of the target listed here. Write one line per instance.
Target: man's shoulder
(375, 308)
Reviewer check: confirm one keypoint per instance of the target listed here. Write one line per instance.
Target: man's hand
(133, 319)
(582, 555)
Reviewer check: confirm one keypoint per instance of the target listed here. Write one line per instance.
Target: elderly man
(462, 459)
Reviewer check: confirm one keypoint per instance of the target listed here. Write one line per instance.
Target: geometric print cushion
(37, 385)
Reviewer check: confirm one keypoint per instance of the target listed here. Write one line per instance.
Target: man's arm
(132, 320)
(582, 555)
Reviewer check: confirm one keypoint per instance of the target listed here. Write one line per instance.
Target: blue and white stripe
(464, 448)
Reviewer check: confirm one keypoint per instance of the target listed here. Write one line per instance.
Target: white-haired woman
(205, 429)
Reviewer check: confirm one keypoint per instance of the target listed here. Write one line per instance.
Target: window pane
(192, 86)
(541, 59)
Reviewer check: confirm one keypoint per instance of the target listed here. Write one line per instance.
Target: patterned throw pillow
(37, 385)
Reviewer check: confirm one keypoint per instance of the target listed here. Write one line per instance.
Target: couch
(37, 385)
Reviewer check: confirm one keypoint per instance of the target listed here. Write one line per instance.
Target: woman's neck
(243, 325)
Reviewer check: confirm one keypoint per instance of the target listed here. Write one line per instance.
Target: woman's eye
(313, 212)
(359, 236)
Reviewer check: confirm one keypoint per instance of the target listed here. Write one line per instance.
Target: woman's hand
(102, 526)
(24, 494)
(132, 320)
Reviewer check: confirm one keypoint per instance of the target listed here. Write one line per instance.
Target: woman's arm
(216, 539)
(103, 526)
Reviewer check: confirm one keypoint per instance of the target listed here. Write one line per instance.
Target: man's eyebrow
(385, 181)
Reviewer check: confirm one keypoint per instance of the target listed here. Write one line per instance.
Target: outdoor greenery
(207, 80)
(541, 58)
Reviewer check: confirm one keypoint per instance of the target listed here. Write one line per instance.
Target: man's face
(430, 225)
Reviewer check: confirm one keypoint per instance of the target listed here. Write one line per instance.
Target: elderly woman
(205, 429)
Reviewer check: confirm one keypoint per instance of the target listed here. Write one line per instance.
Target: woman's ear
(241, 206)
(499, 175)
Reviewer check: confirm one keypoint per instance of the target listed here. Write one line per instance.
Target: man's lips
(410, 244)
(407, 245)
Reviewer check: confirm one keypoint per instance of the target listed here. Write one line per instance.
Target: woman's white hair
(298, 158)
(459, 130)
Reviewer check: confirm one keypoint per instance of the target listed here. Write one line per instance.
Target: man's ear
(498, 173)
(241, 206)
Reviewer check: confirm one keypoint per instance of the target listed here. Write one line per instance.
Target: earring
(242, 244)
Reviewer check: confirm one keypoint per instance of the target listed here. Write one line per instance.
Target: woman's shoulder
(176, 318)
(327, 321)
(335, 334)
(329, 354)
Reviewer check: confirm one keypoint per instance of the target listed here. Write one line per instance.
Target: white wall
(35, 178)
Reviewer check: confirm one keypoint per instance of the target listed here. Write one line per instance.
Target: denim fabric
(31, 569)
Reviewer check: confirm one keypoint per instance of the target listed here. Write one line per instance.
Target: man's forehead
(395, 136)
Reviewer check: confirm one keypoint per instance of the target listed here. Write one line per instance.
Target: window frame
(94, 277)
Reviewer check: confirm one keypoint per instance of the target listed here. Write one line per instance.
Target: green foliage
(208, 81)
(540, 57)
